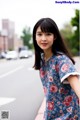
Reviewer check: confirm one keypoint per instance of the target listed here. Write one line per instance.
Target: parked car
(30, 53)
(2, 55)
(23, 54)
(11, 55)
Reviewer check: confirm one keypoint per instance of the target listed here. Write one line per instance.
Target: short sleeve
(65, 68)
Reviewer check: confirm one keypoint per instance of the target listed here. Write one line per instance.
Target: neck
(47, 55)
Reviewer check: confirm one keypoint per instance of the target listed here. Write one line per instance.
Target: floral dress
(61, 101)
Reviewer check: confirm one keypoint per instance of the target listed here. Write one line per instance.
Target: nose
(44, 37)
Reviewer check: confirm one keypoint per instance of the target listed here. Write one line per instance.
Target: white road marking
(10, 72)
(30, 68)
(4, 100)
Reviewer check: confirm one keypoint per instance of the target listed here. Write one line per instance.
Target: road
(20, 81)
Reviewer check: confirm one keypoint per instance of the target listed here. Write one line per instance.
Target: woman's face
(44, 40)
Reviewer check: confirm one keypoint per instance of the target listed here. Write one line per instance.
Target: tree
(75, 37)
(70, 33)
(67, 33)
(26, 37)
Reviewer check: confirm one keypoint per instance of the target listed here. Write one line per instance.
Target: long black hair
(48, 25)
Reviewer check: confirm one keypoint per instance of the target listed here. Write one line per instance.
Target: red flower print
(69, 109)
(53, 88)
(67, 100)
(64, 67)
(66, 103)
(45, 90)
(61, 90)
(57, 68)
(50, 105)
(42, 73)
(50, 79)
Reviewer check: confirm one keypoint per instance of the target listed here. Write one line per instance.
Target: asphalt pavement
(20, 81)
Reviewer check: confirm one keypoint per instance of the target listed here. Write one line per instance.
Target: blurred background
(18, 79)
(17, 19)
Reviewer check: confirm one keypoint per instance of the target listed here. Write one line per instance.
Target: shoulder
(61, 57)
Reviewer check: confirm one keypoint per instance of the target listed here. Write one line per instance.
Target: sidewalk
(41, 111)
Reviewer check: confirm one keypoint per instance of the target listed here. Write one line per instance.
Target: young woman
(58, 74)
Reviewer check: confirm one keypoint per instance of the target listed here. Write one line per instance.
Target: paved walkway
(41, 111)
(42, 108)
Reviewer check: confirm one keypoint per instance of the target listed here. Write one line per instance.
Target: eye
(48, 34)
(38, 34)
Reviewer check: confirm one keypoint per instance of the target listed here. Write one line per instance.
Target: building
(3, 43)
(8, 38)
(9, 26)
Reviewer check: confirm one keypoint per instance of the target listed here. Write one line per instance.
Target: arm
(75, 84)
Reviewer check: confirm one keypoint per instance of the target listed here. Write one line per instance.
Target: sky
(28, 12)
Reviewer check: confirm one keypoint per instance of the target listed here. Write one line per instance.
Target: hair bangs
(46, 26)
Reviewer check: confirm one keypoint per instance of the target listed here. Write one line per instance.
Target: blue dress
(61, 101)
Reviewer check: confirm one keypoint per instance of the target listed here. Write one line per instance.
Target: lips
(44, 44)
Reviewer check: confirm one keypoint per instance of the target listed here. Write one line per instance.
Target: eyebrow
(38, 31)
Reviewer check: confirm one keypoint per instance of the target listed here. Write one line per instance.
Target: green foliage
(75, 37)
(67, 33)
(26, 37)
(70, 33)
(75, 20)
